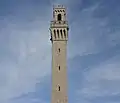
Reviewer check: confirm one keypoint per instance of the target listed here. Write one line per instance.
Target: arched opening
(61, 34)
(59, 17)
(64, 33)
(55, 34)
(58, 33)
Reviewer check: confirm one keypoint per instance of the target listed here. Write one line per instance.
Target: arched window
(58, 33)
(61, 34)
(59, 17)
(64, 33)
(55, 34)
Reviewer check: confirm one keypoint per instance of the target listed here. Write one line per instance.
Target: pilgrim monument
(59, 38)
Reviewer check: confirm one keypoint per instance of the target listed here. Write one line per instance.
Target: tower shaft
(59, 37)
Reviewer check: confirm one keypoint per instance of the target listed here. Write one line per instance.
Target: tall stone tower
(59, 37)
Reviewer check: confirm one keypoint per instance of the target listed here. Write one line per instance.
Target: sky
(93, 51)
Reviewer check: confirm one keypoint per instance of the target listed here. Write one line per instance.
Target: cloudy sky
(93, 51)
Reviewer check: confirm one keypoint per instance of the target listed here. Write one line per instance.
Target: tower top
(58, 6)
(59, 14)
(59, 25)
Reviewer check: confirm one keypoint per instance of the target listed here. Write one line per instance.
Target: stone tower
(59, 37)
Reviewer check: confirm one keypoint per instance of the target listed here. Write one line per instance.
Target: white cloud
(28, 61)
(101, 81)
(64, 2)
(29, 55)
(83, 28)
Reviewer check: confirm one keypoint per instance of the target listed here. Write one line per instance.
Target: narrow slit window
(58, 88)
(59, 50)
(59, 68)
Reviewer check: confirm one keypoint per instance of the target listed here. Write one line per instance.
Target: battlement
(58, 7)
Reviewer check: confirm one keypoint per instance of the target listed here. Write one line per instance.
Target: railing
(59, 23)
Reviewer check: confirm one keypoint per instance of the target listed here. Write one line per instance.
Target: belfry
(59, 38)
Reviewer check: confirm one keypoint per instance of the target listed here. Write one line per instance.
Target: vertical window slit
(58, 88)
(59, 50)
(59, 68)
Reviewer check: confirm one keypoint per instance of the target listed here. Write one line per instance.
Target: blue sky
(93, 51)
